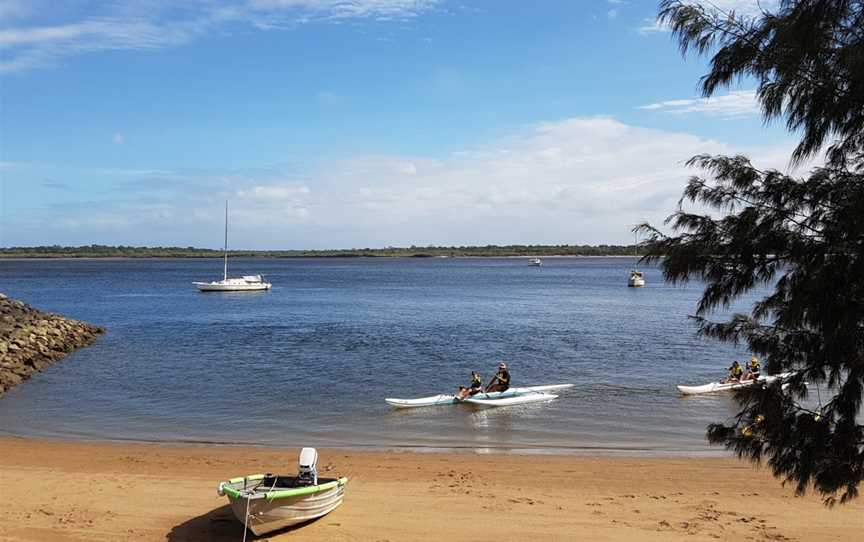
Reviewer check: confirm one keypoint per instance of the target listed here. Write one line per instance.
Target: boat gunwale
(278, 494)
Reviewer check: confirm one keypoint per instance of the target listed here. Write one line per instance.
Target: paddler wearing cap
(501, 380)
(753, 369)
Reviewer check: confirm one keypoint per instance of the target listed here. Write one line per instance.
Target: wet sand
(65, 491)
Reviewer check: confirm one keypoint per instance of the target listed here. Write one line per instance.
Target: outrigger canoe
(725, 386)
(534, 397)
(449, 399)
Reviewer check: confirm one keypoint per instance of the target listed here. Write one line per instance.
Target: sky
(350, 124)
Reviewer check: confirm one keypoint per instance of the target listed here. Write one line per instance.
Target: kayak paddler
(474, 388)
(501, 380)
(753, 369)
(735, 373)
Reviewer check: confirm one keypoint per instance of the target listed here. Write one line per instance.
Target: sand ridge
(76, 491)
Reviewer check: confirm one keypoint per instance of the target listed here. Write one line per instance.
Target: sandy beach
(64, 491)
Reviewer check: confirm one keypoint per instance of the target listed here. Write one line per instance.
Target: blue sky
(349, 124)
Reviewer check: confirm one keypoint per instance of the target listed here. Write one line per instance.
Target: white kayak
(724, 386)
(449, 399)
(533, 397)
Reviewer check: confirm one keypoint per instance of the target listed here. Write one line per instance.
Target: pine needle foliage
(807, 58)
(802, 238)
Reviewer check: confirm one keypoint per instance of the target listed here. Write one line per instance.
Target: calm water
(309, 362)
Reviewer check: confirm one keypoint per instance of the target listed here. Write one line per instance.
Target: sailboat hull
(221, 286)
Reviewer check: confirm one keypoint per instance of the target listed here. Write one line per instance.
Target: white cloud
(576, 180)
(340, 9)
(275, 193)
(612, 14)
(652, 26)
(29, 42)
(737, 103)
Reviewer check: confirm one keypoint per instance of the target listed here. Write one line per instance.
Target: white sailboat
(637, 280)
(246, 283)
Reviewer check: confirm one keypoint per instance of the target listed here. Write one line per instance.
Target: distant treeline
(103, 251)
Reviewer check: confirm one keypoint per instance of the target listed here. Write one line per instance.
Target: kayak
(449, 399)
(534, 397)
(721, 386)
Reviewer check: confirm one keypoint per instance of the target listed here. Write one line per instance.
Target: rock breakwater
(31, 340)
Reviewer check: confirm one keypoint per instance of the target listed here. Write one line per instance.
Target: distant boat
(246, 283)
(536, 262)
(637, 280)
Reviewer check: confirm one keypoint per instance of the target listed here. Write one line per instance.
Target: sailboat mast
(225, 268)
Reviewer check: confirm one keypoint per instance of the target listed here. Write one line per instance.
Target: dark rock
(32, 340)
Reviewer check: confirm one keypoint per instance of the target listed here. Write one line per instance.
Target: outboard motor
(307, 470)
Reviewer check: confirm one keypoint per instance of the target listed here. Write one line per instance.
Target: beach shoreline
(76, 490)
(582, 450)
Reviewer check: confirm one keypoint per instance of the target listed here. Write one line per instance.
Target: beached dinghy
(447, 399)
(535, 397)
(267, 502)
(720, 386)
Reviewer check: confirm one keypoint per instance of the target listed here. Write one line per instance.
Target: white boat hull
(447, 399)
(226, 286)
(714, 387)
(268, 515)
(509, 401)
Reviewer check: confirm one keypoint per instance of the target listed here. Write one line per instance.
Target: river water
(310, 362)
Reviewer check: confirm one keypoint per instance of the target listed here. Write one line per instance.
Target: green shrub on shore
(105, 251)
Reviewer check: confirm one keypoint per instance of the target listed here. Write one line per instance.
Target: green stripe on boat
(282, 493)
(297, 492)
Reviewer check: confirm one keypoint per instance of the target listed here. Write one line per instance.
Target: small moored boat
(636, 280)
(536, 262)
(246, 283)
(268, 502)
